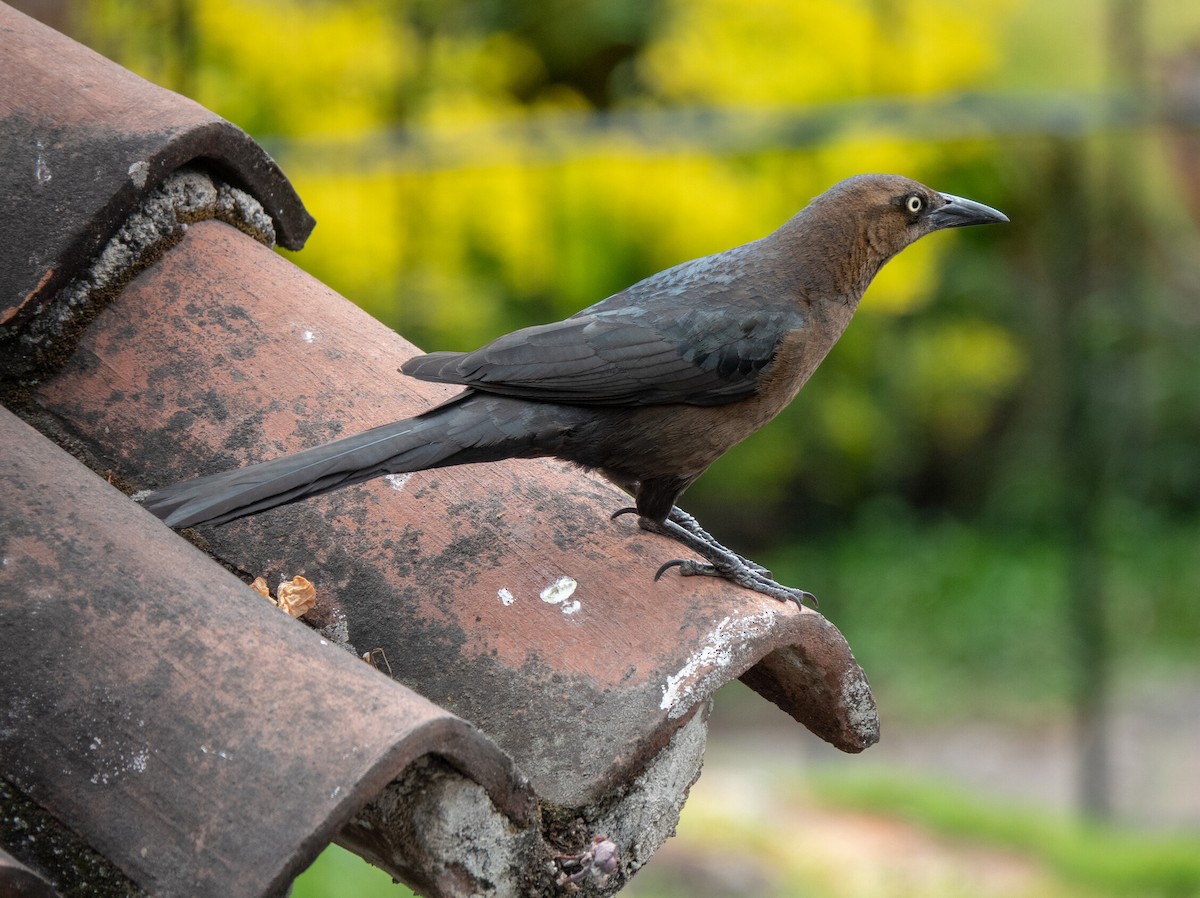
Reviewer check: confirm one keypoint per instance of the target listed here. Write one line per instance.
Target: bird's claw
(690, 524)
(748, 575)
(628, 509)
(722, 562)
(687, 568)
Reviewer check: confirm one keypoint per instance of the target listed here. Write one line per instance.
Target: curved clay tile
(19, 881)
(83, 141)
(195, 736)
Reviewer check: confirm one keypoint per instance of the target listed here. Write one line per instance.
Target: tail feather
(428, 441)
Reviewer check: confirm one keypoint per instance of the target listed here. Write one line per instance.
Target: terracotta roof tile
(192, 733)
(18, 881)
(83, 141)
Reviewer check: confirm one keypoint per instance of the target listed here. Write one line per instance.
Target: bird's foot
(690, 524)
(720, 561)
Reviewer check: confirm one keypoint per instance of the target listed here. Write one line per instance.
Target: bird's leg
(721, 561)
(690, 524)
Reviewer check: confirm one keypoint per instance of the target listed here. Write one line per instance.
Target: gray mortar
(438, 830)
(36, 347)
(648, 811)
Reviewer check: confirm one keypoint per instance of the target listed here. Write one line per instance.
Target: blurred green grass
(854, 835)
(337, 873)
(722, 854)
(948, 616)
(1108, 860)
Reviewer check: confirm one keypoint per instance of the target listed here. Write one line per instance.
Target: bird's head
(892, 212)
(876, 216)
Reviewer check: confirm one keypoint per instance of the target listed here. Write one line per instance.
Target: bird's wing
(623, 356)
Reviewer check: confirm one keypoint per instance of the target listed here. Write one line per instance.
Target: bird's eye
(914, 204)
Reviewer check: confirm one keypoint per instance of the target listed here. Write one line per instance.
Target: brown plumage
(649, 386)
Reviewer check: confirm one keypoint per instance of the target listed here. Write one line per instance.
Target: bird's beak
(959, 212)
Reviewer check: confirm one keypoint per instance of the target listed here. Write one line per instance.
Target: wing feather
(601, 361)
(643, 346)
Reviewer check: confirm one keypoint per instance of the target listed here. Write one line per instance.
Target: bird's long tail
(481, 428)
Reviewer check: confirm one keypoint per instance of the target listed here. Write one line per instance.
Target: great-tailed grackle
(648, 386)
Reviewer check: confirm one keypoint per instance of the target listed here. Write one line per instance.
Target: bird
(648, 386)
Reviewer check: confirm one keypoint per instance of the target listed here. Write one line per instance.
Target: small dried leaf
(260, 586)
(297, 596)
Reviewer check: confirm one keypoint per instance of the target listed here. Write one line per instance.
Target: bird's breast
(674, 440)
